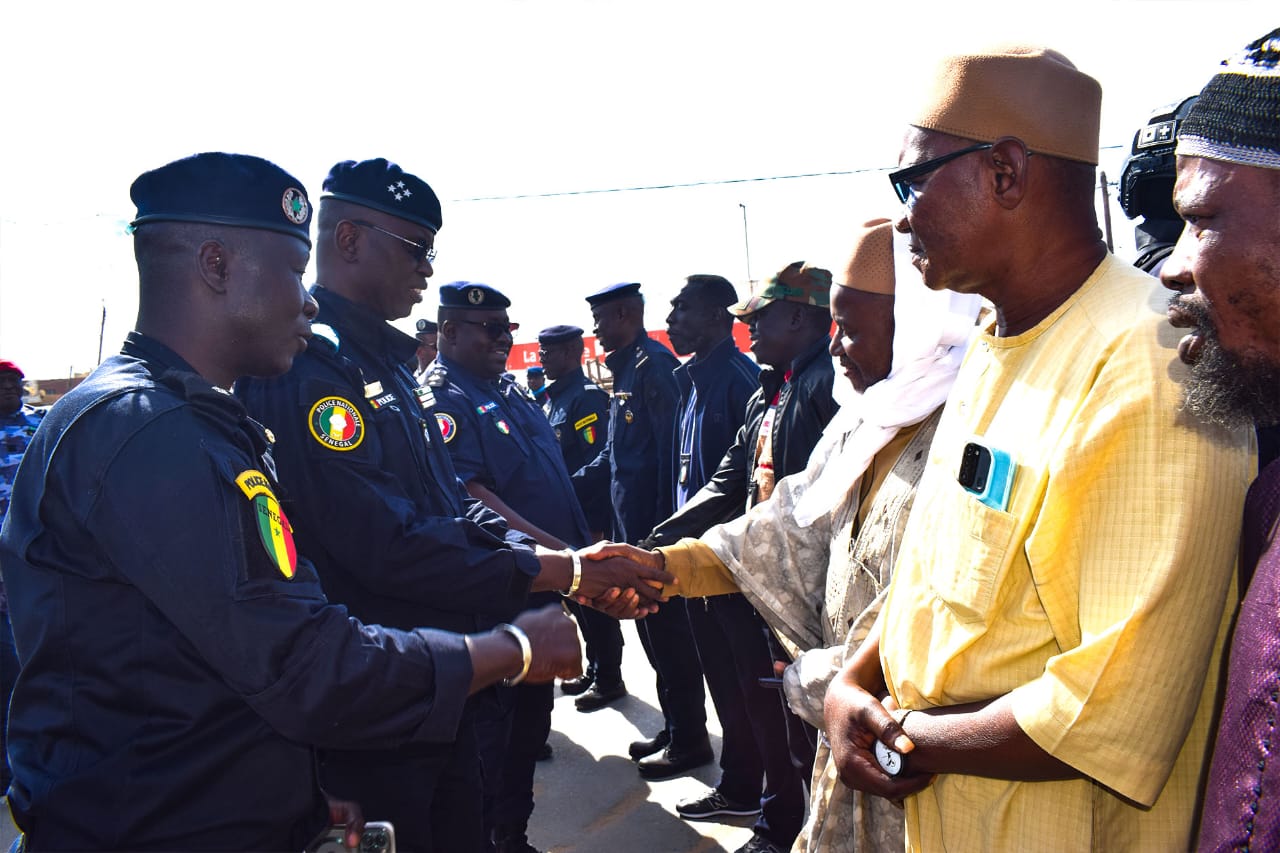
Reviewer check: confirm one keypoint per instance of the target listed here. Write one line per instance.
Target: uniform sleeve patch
(336, 424)
(274, 528)
(589, 419)
(448, 426)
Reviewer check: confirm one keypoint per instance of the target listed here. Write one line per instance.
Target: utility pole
(102, 330)
(746, 242)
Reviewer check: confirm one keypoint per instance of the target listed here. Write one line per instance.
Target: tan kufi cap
(1033, 93)
(871, 264)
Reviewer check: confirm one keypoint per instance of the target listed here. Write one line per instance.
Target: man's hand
(855, 720)
(554, 639)
(348, 815)
(608, 566)
(619, 603)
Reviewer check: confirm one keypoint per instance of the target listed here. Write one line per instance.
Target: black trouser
(668, 643)
(431, 795)
(603, 636)
(735, 655)
(511, 730)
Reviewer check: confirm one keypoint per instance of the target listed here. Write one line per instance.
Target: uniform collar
(363, 325)
(625, 356)
(456, 369)
(562, 385)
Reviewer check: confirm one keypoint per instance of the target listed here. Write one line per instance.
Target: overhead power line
(708, 183)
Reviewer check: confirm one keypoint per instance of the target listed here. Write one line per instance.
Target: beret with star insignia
(384, 186)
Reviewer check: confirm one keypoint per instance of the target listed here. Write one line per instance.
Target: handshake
(622, 580)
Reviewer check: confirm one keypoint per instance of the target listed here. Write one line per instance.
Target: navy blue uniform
(371, 489)
(499, 438)
(578, 410)
(178, 659)
(636, 464)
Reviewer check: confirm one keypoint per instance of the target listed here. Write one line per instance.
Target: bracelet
(577, 573)
(526, 653)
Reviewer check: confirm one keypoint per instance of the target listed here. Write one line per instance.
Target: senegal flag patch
(336, 424)
(589, 433)
(273, 527)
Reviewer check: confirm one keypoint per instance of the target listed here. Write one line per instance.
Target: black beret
(427, 327)
(470, 294)
(224, 189)
(614, 291)
(559, 334)
(384, 186)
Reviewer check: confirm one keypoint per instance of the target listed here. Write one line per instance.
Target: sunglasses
(420, 251)
(495, 329)
(903, 180)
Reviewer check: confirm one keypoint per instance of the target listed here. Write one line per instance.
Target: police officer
(179, 657)
(507, 455)
(370, 486)
(426, 353)
(636, 464)
(578, 410)
(536, 380)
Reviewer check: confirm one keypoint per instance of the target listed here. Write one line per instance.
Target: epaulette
(324, 339)
(437, 375)
(591, 386)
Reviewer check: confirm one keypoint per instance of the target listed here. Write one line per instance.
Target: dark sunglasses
(495, 329)
(420, 251)
(903, 179)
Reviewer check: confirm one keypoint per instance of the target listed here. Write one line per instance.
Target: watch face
(890, 760)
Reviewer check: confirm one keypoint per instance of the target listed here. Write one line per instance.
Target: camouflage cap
(797, 282)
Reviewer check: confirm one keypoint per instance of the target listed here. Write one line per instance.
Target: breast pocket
(968, 573)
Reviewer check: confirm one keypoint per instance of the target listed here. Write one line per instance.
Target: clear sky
(516, 112)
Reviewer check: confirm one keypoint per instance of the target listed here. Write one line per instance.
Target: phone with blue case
(988, 474)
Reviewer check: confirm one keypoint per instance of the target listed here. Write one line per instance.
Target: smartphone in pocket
(987, 472)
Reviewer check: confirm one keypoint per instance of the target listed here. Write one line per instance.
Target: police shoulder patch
(274, 528)
(336, 423)
(448, 426)
(589, 419)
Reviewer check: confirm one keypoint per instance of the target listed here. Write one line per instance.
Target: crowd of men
(278, 566)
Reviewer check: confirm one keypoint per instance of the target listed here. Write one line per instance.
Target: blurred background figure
(1146, 186)
(18, 423)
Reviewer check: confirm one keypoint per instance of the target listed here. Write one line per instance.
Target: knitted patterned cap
(1237, 119)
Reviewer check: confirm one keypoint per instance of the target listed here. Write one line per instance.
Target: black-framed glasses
(420, 251)
(904, 179)
(495, 329)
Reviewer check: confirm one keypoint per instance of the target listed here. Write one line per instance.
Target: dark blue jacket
(713, 396)
(635, 462)
(178, 660)
(500, 438)
(393, 534)
(578, 410)
(805, 407)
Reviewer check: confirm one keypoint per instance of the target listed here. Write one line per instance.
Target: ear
(796, 321)
(346, 239)
(448, 331)
(1008, 160)
(212, 261)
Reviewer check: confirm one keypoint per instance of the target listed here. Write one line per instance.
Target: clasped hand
(625, 582)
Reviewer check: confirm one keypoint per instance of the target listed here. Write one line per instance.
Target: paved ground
(590, 799)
